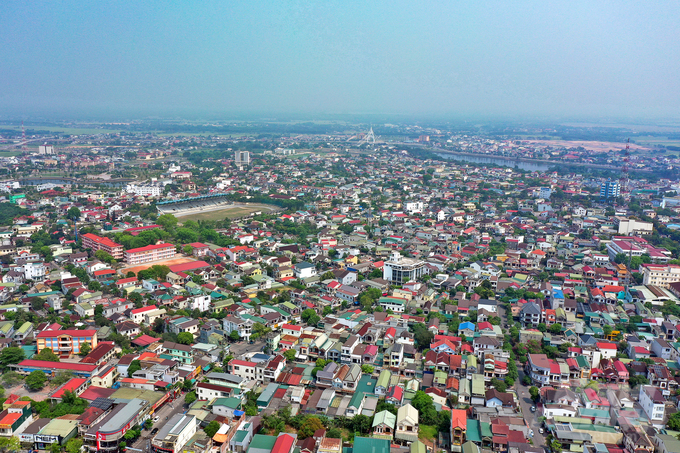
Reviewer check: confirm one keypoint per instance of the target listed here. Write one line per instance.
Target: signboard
(40, 438)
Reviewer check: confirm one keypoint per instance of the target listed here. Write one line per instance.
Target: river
(497, 162)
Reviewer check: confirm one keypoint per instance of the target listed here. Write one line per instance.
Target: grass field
(427, 432)
(657, 140)
(229, 213)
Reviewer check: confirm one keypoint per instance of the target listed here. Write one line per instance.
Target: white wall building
(399, 270)
(652, 402)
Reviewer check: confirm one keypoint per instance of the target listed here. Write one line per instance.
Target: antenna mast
(24, 148)
(623, 181)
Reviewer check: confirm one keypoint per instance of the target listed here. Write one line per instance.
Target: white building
(632, 226)
(545, 192)
(414, 207)
(242, 159)
(175, 433)
(652, 402)
(45, 149)
(399, 270)
(241, 326)
(201, 302)
(661, 275)
(144, 190)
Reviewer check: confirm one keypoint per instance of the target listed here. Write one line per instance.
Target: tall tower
(24, 148)
(623, 181)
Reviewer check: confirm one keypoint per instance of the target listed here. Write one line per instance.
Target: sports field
(229, 213)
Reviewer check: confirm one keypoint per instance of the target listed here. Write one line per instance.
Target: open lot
(231, 212)
(171, 262)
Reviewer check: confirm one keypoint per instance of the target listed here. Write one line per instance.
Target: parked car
(533, 408)
(540, 430)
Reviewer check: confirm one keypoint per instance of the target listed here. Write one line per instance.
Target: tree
(188, 250)
(259, 330)
(167, 221)
(135, 365)
(367, 369)
(185, 338)
(85, 349)
(47, 355)
(212, 428)
(310, 426)
(11, 356)
(11, 444)
(73, 213)
(190, 398)
(234, 336)
(74, 445)
(104, 256)
(535, 393)
(542, 327)
(135, 298)
(499, 385)
(289, 355)
(555, 329)
(36, 380)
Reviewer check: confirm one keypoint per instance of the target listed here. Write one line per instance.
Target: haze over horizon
(529, 58)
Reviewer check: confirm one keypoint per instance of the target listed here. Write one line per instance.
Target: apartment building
(94, 242)
(652, 402)
(65, 343)
(661, 275)
(150, 253)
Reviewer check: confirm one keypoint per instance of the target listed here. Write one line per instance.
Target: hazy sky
(457, 58)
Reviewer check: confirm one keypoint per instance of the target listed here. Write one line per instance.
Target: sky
(520, 58)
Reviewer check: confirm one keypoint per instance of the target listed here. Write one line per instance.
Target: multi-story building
(610, 189)
(150, 253)
(145, 190)
(544, 371)
(241, 326)
(632, 226)
(65, 343)
(175, 434)
(242, 158)
(661, 275)
(652, 402)
(94, 242)
(399, 269)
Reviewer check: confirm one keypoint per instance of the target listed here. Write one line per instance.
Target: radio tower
(24, 148)
(623, 181)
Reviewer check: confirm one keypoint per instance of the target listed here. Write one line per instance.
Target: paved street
(164, 413)
(523, 395)
(525, 403)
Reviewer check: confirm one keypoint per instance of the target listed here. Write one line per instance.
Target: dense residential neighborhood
(319, 300)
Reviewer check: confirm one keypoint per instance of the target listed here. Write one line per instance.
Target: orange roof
(9, 419)
(459, 419)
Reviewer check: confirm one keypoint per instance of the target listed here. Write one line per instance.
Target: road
(164, 413)
(523, 395)
(525, 404)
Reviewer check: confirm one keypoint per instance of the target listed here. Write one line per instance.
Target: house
(304, 270)
(407, 425)
(383, 425)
